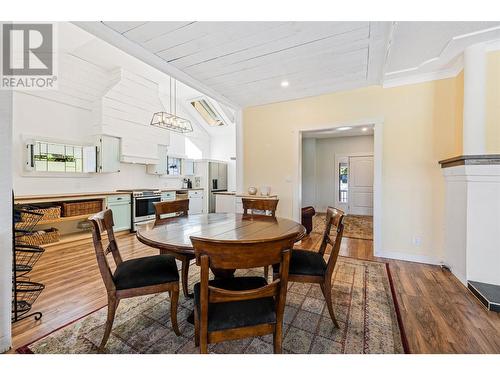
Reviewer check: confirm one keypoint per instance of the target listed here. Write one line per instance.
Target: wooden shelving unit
(60, 220)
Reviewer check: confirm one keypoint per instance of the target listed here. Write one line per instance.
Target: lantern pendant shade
(172, 122)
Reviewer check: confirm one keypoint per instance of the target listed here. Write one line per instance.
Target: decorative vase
(252, 190)
(265, 190)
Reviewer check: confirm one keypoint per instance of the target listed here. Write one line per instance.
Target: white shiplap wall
(91, 100)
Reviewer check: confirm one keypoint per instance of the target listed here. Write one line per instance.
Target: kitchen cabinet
(195, 201)
(161, 167)
(168, 196)
(108, 154)
(188, 167)
(225, 203)
(238, 205)
(121, 206)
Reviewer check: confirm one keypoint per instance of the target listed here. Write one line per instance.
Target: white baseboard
(408, 257)
(5, 344)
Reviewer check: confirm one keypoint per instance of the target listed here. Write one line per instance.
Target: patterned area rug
(355, 226)
(365, 307)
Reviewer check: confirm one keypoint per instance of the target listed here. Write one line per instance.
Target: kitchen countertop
(182, 189)
(68, 196)
(62, 196)
(243, 195)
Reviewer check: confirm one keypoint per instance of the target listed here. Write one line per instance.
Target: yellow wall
(493, 103)
(420, 127)
(459, 112)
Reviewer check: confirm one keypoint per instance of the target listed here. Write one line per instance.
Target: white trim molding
(451, 72)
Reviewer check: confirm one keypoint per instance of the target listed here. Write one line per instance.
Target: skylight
(207, 112)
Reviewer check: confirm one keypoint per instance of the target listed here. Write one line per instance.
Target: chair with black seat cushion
(178, 207)
(134, 277)
(239, 307)
(308, 266)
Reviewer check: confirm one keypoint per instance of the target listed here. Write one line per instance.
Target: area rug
(355, 226)
(365, 306)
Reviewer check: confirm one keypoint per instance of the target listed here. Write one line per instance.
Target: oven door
(144, 209)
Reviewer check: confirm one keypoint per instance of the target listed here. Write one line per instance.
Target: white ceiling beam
(116, 39)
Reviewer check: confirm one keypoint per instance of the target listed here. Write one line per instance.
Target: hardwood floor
(439, 314)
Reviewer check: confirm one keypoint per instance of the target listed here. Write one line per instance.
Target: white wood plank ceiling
(247, 61)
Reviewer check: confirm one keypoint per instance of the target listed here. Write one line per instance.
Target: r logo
(27, 49)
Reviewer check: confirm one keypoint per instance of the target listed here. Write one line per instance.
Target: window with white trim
(59, 157)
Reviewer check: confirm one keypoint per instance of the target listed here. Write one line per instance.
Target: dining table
(173, 234)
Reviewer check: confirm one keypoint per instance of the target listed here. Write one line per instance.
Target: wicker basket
(49, 213)
(81, 208)
(40, 237)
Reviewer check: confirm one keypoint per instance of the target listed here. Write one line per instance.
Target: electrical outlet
(417, 241)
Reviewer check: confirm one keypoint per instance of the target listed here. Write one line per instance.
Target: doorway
(338, 170)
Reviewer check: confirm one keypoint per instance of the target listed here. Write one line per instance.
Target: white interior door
(361, 185)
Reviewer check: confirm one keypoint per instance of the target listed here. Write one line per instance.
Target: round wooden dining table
(173, 234)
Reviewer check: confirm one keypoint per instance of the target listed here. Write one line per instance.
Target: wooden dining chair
(239, 307)
(259, 205)
(181, 208)
(308, 266)
(264, 207)
(134, 277)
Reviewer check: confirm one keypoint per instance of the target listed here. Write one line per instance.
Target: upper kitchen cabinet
(161, 167)
(188, 167)
(108, 154)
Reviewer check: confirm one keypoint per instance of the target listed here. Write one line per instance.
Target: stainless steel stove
(143, 204)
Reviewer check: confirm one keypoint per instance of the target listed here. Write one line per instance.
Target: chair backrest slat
(222, 295)
(241, 254)
(102, 222)
(334, 218)
(250, 204)
(180, 207)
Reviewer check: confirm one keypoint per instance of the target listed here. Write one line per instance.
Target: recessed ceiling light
(364, 129)
(284, 83)
(342, 128)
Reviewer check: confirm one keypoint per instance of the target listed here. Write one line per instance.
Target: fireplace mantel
(490, 159)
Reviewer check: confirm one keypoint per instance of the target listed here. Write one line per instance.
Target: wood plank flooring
(439, 314)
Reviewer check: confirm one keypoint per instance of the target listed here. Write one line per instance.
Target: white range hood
(125, 110)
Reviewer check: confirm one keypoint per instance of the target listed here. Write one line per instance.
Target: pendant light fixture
(170, 120)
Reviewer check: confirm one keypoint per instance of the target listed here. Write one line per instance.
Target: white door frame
(337, 158)
(377, 174)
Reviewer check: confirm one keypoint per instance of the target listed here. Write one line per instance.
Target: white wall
(34, 115)
(308, 172)
(322, 184)
(5, 220)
